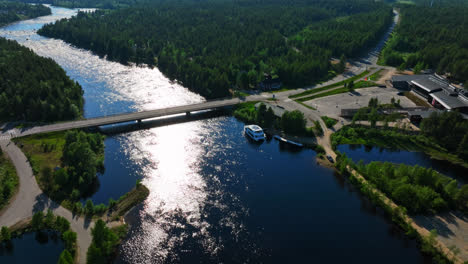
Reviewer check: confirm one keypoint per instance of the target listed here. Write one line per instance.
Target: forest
(11, 12)
(213, 46)
(431, 37)
(103, 4)
(34, 88)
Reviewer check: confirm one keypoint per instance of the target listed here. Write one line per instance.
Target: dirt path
(31, 199)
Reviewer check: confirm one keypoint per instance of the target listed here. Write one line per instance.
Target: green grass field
(313, 91)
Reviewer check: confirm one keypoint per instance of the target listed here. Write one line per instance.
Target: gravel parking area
(332, 105)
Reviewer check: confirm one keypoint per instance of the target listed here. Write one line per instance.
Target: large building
(435, 89)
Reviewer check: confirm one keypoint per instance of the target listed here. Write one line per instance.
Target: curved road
(31, 199)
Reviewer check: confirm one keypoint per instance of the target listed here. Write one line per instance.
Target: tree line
(431, 37)
(213, 46)
(103, 4)
(11, 12)
(34, 88)
(8, 179)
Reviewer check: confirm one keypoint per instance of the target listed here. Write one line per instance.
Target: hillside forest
(12, 11)
(34, 88)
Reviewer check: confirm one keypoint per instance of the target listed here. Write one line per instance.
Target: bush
(6, 234)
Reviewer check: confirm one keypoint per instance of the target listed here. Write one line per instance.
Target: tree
(103, 244)
(6, 235)
(49, 220)
(373, 117)
(62, 224)
(69, 237)
(37, 220)
(89, 207)
(293, 122)
(351, 86)
(65, 258)
(46, 173)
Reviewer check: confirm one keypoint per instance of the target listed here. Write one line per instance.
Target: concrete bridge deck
(128, 117)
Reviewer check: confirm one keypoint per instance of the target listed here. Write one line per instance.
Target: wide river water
(215, 197)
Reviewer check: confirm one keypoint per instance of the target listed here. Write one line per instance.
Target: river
(216, 197)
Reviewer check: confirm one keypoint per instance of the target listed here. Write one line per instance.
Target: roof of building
(407, 78)
(430, 84)
(448, 101)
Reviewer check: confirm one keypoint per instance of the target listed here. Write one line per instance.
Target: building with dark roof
(402, 82)
(436, 90)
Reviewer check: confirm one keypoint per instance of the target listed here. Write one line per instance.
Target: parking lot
(332, 105)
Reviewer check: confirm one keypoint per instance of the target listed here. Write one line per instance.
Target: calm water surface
(215, 196)
(43, 247)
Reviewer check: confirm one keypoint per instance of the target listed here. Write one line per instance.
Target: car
(400, 93)
(330, 159)
(279, 106)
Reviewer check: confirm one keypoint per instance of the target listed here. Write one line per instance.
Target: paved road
(127, 117)
(31, 199)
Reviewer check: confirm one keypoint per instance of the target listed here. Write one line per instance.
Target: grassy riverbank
(9, 181)
(394, 139)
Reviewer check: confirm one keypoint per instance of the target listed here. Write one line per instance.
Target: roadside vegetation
(9, 181)
(12, 11)
(34, 88)
(328, 87)
(329, 122)
(41, 222)
(208, 47)
(431, 36)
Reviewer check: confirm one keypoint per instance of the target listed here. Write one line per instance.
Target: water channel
(215, 197)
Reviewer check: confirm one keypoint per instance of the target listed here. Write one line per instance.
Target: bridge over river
(128, 117)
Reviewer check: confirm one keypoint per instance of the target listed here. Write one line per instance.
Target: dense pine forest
(433, 37)
(34, 88)
(212, 46)
(11, 12)
(105, 4)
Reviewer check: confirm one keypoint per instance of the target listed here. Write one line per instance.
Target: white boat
(255, 132)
